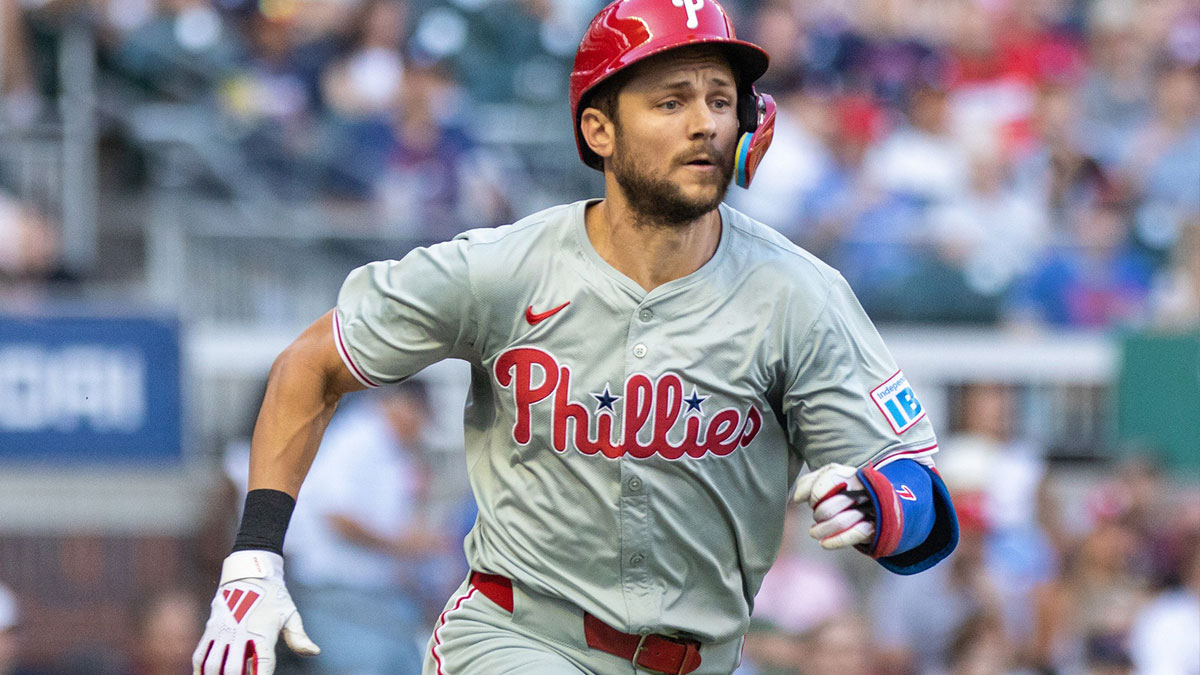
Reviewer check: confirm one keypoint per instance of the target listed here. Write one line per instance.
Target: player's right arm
(392, 319)
(306, 382)
(252, 605)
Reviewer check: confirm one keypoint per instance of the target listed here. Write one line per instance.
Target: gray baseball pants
(541, 636)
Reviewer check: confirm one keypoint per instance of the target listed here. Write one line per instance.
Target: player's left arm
(857, 421)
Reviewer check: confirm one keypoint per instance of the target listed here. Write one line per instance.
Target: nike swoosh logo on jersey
(535, 318)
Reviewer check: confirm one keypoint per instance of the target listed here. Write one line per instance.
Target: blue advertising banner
(89, 389)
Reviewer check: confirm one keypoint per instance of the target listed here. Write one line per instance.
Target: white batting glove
(837, 498)
(251, 608)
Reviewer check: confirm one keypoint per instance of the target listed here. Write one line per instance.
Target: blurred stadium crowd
(1028, 161)
(1102, 579)
(999, 162)
(1104, 582)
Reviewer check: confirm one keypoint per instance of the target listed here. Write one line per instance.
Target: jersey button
(646, 314)
(637, 559)
(635, 484)
(639, 350)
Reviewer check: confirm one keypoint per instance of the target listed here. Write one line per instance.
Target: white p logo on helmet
(691, 6)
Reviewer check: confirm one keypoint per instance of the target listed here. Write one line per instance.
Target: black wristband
(264, 521)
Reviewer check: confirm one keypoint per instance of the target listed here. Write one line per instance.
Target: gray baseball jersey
(631, 451)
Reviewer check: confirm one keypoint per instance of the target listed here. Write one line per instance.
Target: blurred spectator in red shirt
(1001, 54)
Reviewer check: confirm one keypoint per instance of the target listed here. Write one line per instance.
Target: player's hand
(251, 608)
(841, 506)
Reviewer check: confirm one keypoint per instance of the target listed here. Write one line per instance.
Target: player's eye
(669, 105)
(721, 103)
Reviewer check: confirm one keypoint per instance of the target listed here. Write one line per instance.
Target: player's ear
(599, 132)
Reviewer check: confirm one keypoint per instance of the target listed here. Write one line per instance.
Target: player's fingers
(859, 534)
(838, 523)
(248, 663)
(804, 487)
(215, 663)
(260, 659)
(823, 487)
(296, 638)
(235, 663)
(200, 655)
(263, 665)
(823, 483)
(819, 484)
(832, 506)
(825, 490)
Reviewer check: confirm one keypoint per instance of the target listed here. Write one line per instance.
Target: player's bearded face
(653, 194)
(675, 136)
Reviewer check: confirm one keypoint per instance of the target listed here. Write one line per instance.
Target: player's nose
(702, 121)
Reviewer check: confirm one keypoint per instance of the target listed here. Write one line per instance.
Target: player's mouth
(703, 163)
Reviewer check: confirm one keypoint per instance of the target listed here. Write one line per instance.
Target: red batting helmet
(628, 31)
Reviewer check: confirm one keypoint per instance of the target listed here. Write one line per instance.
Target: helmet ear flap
(747, 110)
(755, 137)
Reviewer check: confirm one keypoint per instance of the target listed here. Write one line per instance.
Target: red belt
(659, 653)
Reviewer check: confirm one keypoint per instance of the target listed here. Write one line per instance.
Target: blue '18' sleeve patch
(899, 405)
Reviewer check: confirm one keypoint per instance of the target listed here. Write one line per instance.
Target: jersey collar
(588, 252)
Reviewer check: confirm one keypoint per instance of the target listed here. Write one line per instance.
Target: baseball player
(650, 371)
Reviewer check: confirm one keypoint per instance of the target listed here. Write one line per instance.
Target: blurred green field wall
(1158, 397)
